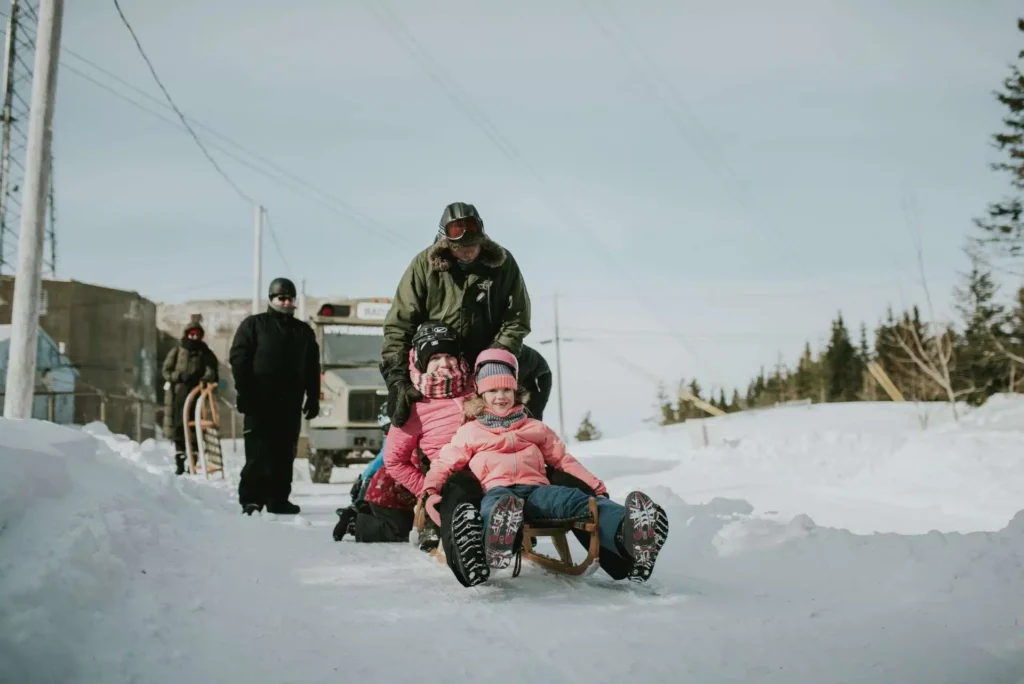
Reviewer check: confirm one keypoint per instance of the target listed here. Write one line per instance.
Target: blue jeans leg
(554, 504)
(492, 496)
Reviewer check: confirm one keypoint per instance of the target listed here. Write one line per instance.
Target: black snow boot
(250, 508)
(179, 461)
(283, 508)
(429, 537)
(346, 522)
(502, 529)
(642, 534)
(467, 536)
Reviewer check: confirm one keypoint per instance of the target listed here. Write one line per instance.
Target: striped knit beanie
(496, 369)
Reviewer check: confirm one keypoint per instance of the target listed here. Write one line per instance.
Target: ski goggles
(458, 228)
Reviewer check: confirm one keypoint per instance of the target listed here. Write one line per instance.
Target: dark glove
(311, 409)
(357, 486)
(401, 396)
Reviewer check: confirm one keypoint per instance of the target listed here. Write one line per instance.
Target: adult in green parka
(464, 280)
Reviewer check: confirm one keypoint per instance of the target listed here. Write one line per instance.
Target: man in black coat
(275, 360)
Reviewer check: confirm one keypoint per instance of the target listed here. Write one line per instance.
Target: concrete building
(55, 378)
(111, 336)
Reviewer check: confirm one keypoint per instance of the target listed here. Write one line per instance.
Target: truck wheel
(321, 465)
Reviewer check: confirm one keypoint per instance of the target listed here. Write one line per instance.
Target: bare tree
(933, 357)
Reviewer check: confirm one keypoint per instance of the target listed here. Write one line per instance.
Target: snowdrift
(113, 570)
(866, 467)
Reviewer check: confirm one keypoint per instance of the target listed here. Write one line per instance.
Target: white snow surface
(114, 570)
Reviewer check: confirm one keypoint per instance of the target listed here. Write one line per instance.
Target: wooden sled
(202, 431)
(556, 531)
(564, 564)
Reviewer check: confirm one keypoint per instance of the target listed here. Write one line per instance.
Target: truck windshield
(351, 345)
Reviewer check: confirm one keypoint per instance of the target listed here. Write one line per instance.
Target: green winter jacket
(487, 303)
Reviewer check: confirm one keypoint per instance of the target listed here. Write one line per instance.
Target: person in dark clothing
(187, 365)
(535, 377)
(275, 360)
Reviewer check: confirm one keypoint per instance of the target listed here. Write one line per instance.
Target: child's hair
(475, 405)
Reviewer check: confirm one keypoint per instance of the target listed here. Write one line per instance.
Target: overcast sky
(705, 183)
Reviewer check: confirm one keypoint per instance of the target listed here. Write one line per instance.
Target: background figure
(187, 365)
(275, 360)
(535, 377)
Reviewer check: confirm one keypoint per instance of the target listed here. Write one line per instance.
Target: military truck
(350, 333)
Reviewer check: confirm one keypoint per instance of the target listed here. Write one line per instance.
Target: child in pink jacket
(444, 379)
(508, 452)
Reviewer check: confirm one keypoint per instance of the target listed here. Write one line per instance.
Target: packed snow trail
(113, 570)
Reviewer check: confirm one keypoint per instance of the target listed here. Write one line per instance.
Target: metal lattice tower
(16, 87)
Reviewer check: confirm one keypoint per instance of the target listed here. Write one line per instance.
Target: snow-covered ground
(114, 570)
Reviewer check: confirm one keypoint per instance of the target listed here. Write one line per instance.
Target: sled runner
(202, 431)
(557, 531)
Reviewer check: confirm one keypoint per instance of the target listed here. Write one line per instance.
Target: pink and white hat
(496, 369)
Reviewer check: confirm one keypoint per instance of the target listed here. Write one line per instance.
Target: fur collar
(441, 259)
(474, 405)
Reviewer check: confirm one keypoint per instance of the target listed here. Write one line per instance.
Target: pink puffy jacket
(431, 425)
(501, 457)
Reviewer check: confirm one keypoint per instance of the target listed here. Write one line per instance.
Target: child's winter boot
(502, 529)
(346, 523)
(179, 462)
(642, 534)
(429, 537)
(467, 536)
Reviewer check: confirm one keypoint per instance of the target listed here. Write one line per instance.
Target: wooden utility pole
(558, 364)
(257, 264)
(21, 370)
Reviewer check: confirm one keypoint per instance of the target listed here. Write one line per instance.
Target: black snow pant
(463, 487)
(383, 525)
(270, 448)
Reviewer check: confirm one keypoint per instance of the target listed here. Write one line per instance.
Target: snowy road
(112, 572)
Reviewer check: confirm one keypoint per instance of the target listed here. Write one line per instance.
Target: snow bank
(113, 570)
(865, 467)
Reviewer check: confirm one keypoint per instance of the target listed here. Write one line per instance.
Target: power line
(436, 72)
(325, 199)
(178, 111)
(700, 141)
(277, 245)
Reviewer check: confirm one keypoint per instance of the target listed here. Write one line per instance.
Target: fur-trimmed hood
(492, 255)
(474, 406)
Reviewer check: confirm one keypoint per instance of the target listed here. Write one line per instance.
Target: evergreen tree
(722, 404)
(1015, 343)
(805, 380)
(981, 364)
(843, 367)
(587, 431)
(735, 405)
(1004, 226)
(669, 415)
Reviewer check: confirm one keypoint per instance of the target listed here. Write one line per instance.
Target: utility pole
(302, 301)
(558, 364)
(257, 264)
(21, 369)
(7, 118)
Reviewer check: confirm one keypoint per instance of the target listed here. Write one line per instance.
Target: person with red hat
(187, 365)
